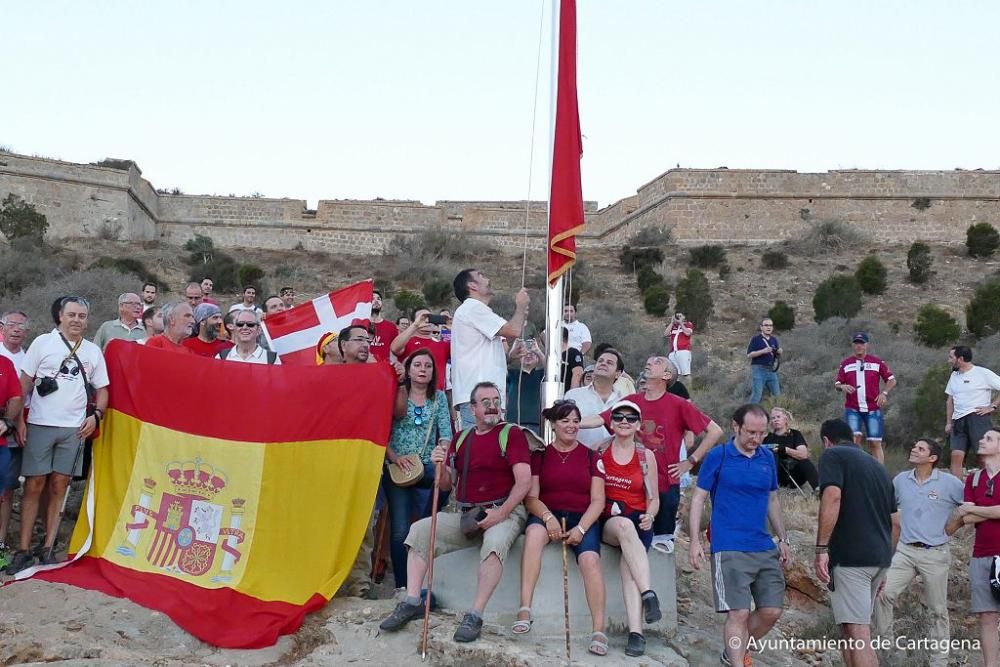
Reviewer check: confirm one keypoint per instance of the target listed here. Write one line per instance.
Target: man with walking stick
(67, 380)
(490, 469)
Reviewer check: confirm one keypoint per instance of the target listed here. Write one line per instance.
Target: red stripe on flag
(300, 317)
(183, 392)
(222, 617)
(566, 198)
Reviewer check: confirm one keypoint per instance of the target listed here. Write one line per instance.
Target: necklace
(564, 456)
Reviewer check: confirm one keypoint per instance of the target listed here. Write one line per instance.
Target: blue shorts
(645, 536)
(871, 422)
(10, 468)
(591, 539)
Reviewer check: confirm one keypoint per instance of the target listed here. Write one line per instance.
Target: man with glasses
(178, 322)
(247, 351)
(14, 326)
(193, 295)
(490, 470)
(764, 351)
(128, 326)
(57, 369)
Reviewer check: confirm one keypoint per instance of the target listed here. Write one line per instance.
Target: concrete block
(455, 585)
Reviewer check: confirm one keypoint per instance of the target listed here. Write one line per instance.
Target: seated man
(491, 470)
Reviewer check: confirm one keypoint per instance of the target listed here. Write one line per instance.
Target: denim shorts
(866, 422)
(645, 536)
(591, 539)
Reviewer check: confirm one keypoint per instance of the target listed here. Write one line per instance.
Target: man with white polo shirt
(247, 351)
(598, 396)
(925, 498)
(579, 333)
(970, 405)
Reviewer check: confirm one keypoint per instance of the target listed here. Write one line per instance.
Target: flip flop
(522, 626)
(598, 643)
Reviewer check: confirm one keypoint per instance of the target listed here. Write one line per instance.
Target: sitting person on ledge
(567, 489)
(791, 452)
(495, 475)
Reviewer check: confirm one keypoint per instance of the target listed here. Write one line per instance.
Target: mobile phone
(437, 319)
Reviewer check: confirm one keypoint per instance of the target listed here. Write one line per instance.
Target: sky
(437, 99)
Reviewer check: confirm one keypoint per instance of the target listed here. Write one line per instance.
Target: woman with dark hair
(566, 484)
(791, 452)
(421, 421)
(631, 506)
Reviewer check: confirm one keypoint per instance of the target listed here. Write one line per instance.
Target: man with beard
(56, 371)
(970, 405)
(207, 320)
(148, 296)
(178, 320)
(384, 331)
(489, 465)
(152, 322)
(127, 326)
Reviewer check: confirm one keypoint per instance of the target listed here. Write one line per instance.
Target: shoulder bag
(409, 476)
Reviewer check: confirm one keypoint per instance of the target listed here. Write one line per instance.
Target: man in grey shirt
(926, 498)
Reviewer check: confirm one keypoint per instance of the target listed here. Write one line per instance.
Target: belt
(922, 545)
(487, 505)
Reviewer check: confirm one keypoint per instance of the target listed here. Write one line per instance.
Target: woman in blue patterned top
(421, 421)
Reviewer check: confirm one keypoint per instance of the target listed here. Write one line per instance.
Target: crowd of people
(468, 419)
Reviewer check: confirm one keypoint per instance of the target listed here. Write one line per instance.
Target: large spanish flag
(232, 497)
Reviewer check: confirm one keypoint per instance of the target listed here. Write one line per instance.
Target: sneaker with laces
(401, 615)
(469, 629)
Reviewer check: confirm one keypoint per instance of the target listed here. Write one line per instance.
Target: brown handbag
(409, 476)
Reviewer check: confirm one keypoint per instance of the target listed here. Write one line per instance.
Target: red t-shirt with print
(564, 479)
(664, 422)
(385, 333)
(10, 387)
(489, 475)
(440, 350)
(986, 494)
(623, 482)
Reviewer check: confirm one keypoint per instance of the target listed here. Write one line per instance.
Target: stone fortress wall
(701, 205)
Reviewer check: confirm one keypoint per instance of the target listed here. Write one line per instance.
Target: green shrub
(982, 315)
(435, 251)
(935, 327)
(774, 260)
(251, 274)
(647, 277)
(694, 297)
(871, 275)
(438, 292)
(201, 249)
(837, 296)
(918, 262)
(928, 409)
(782, 315)
(130, 265)
(20, 220)
(407, 301)
(656, 300)
(656, 236)
(634, 258)
(725, 270)
(982, 239)
(223, 269)
(707, 256)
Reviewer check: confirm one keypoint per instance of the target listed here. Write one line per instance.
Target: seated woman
(566, 484)
(422, 421)
(791, 451)
(631, 504)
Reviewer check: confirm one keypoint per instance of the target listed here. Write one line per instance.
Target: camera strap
(79, 363)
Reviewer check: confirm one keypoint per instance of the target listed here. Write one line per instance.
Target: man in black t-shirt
(572, 364)
(854, 538)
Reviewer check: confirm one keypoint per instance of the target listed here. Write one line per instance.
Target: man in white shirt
(970, 405)
(128, 326)
(247, 351)
(598, 396)
(477, 333)
(579, 333)
(14, 326)
(249, 301)
(56, 370)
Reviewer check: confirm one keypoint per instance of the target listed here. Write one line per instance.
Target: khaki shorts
(853, 596)
(449, 537)
(979, 582)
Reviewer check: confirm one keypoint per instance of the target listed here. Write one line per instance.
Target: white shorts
(681, 359)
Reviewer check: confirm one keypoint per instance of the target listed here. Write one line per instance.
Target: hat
(627, 404)
(860, 337)
(205, 311)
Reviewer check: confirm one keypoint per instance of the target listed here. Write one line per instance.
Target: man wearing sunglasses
(56, 371)
(247, 350)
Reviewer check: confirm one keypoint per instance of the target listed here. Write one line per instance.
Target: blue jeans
(869, 423)
(665, 522)
(406, 505)
(762, 377)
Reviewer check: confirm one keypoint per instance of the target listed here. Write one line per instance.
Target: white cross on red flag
(294, 333)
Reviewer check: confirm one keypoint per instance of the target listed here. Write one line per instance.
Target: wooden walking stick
(430, 561)
(565, 590)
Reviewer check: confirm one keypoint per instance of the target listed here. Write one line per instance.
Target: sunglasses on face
(244, 325)
(625, 417)
(489, 402)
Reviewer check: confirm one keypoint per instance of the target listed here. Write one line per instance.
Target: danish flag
(294, 333)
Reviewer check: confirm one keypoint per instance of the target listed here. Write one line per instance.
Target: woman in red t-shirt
(566, 484)
(632, 502)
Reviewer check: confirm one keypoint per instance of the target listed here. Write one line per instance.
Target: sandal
(522, 626)
(598, 643)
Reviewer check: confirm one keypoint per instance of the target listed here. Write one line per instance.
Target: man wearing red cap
(860, 377)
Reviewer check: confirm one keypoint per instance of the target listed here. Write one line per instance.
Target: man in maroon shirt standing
(491, 480)
(860, 377)
(383, 331)
(982, 510)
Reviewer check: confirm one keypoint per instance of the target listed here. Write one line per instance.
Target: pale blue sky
(432, 99)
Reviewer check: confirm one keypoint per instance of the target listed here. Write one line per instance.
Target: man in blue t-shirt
(742, 479)
(763, 352)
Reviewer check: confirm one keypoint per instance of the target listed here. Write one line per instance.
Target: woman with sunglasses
(421, 421)
(566, 484)
(631, 505)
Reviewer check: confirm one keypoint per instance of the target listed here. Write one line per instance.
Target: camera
(46, 386)
(437, 319)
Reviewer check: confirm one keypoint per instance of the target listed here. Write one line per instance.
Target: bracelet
(547, 516)
(582, 531)
(822, 546)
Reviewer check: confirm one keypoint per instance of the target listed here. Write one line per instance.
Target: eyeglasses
(15, 326)
(489, 402)
(245, 325)
(623, 417)
(564, 401)
(418, 414)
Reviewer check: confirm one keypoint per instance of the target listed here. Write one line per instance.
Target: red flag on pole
(566, 197)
